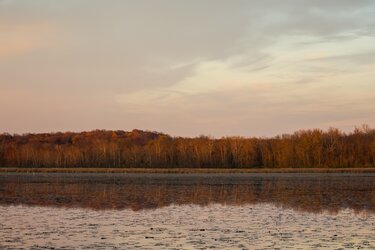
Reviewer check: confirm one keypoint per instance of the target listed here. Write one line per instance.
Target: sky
(187, 68)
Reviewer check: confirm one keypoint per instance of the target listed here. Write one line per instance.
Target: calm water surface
(187, 211)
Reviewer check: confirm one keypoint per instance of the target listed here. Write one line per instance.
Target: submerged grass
(187, 170)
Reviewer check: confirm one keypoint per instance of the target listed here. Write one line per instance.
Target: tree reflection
(316, 193)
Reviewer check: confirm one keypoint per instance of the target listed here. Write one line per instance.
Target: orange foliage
(101, 148)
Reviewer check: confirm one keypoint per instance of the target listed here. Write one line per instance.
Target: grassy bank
(187, 170)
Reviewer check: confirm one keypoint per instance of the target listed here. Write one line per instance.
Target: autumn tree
(137, 148)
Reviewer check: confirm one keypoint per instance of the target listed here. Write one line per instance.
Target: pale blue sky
(251, 68)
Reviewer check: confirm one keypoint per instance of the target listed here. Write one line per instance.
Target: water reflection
(304, 192)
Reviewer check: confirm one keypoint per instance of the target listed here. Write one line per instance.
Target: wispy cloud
(22, 38)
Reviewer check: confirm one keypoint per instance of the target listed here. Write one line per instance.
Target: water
(187, 211)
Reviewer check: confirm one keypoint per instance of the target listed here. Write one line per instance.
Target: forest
(312, 148)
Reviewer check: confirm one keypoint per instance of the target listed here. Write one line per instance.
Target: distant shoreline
(304, 149)
(187, 170)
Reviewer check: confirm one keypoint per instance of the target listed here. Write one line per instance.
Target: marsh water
(187, 211)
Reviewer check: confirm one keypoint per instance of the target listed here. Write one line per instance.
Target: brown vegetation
(140, 149)
(187, 170)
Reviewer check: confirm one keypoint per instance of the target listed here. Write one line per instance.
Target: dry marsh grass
(187, 170)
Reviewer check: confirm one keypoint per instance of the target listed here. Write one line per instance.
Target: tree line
(313, 148)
